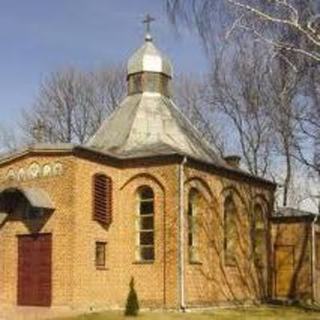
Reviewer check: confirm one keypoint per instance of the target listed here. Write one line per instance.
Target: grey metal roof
(149, 124)
(149, 58)
(287, 212)
(39, 147)
(37, 197)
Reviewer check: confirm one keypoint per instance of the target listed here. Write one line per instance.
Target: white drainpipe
(181, 258)
(313, 255)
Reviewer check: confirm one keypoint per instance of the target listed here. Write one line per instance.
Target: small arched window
(102, 198)
(193, 208)
(259, 236)
(230, 231)
(145, 224)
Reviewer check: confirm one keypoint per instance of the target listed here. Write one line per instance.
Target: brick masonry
(79, 285)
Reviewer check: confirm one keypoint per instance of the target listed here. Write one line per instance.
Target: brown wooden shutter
(102, 199)
(109, 201)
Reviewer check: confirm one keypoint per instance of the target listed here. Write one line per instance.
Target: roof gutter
(181, 251)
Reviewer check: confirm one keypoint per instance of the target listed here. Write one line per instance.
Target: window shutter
(102, 199)
(109, 201)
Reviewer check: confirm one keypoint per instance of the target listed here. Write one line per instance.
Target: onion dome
(149, 59)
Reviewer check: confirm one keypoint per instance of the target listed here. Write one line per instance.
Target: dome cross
(147, 22)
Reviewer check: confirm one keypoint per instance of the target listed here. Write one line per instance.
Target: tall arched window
(145, 224)
(193, 208)
(259, 236)
(102, 198)
(230, 231)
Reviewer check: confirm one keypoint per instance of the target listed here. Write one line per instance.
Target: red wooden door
(34, 270)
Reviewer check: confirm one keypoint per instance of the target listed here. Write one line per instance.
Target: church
(147, 198)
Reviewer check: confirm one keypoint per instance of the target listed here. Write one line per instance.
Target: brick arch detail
(261, 200)
(144, 176)
(201, 186)
(239, 199)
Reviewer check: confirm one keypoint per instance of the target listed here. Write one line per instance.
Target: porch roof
(288, 212)
(38, 198)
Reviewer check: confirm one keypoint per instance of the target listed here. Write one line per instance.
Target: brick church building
(146, 198)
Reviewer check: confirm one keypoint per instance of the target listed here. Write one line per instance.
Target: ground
(277, 313)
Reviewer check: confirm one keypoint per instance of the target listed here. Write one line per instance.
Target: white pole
(181, 236)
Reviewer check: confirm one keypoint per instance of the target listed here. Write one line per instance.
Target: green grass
(263, 313)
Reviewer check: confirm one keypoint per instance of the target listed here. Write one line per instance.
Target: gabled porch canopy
(10, 199)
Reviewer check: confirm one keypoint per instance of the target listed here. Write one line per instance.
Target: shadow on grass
(297, 312)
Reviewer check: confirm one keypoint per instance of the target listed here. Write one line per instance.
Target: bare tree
(237, 92)
(268, 21)
(72, 103)
(259, 96)
(300, 19)
(8, 140)
(308, 145)
(191, 92)
(287, 35)
(283, 89)
(313, 118)
(308, 148)
(109, 87)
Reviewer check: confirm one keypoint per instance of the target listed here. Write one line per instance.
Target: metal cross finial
(147, 21)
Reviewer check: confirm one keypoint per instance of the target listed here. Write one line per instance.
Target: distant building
(146, 198)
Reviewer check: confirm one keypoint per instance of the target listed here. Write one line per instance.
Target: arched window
(145, 224)
(193, 208)
(102, 198)
(230, 231)
(259, 236)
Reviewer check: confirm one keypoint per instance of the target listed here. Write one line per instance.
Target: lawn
(277, 313)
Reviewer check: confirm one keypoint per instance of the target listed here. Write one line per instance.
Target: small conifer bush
(132, 306)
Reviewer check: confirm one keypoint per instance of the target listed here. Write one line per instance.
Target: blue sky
(40, 36)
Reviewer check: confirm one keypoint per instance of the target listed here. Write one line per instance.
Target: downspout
(313, 260)
(181, 251)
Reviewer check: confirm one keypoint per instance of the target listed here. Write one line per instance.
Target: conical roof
(150, 124)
